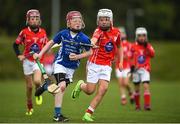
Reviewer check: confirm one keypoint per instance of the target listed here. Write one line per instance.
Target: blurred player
(124, 74)
(99, 65)
(48, 62)
(33, 38)
(68, 57)
(142, 54)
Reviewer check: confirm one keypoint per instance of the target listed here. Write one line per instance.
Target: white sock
(90, 108)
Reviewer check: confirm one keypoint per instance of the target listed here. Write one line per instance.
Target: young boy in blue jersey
(68, 57)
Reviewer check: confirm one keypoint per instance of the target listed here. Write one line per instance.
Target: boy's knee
(62, 87)
(29, 86)
(37, 81)
(90, 91)
(146, 86)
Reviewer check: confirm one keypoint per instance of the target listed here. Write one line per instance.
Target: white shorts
(141, 75)
(96, 72)
(123, 73)
(29, 67)
(61, 69)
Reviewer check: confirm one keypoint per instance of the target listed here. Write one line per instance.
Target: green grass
(165, 95)
(165, 105)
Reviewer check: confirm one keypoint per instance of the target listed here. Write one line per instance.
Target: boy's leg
(58, 100)
(37, 78)
(119, 75)
(87, 88)
(28, 71)
(137, 95)
(136, 81)
(29, 82)
(122, 90)
(92, 79)
(129, 89)
(147, 96)
(126, 85)
(61, 81)
(103, 86)
(37, 82)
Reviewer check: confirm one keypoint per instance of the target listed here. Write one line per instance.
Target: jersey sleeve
(20, 38)
(58, 37)
(118, 41)
(132, 57)
(97, 33)
(150, 50)
(86, 40)
(46, 38)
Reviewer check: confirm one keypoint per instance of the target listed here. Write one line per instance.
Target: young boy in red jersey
(33, 38)
(142, 53)
(99, 64)
(123, 75)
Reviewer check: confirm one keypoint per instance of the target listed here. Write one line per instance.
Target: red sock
(90, 110)
(147, 98)
(137, 99)
(29, 104)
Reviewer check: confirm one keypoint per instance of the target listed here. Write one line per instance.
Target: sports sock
(57, 111)
(147, 98)
(45, 86)
(90, 110)
(29, 104)
(137, 98)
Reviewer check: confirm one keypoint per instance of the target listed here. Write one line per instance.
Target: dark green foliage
(160, 17)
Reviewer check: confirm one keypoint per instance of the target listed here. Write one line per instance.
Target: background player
(68, 57)
(48, 62)
(33, 38)
(99, 65)
(123, 75)
(142, 54)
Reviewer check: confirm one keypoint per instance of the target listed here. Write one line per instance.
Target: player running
(142, 54)
(124, 74)
(99, 65)
(33, 38)
(68, 57)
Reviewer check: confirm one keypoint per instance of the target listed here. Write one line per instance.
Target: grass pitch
(165, 105)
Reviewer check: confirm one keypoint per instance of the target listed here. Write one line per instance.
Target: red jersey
(32, 41)
(48, 59)
(127, 55)
(142, 55)
(107, 42)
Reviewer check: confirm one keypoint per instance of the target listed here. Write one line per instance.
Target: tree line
(160, 17)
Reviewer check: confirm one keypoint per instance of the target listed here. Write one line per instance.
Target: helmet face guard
(105, 13)
(72, 15)
(33, 13)
(141, 31)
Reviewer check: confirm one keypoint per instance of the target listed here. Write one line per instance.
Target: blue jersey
(68, 47)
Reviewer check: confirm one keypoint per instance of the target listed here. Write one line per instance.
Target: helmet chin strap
(34, 28)
(141, 43)
(75, 30)
(104, 28)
